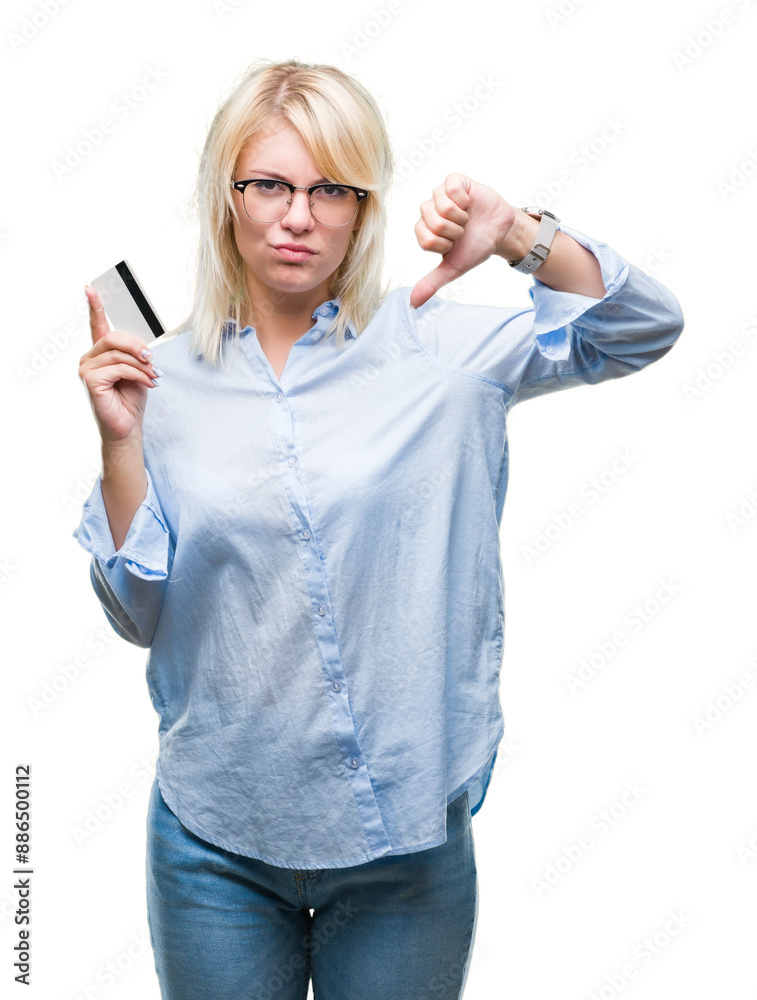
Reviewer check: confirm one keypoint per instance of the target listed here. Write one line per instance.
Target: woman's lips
(287, 254)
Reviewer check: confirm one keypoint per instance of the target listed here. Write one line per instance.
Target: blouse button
(322, 610)
(550, 350)
(355, 762)
(279, 396)
(290, 461)
(305, 533)
(336, 686)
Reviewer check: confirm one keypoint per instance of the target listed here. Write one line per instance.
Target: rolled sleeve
(129, 582)
(580, 340)
(554, 310)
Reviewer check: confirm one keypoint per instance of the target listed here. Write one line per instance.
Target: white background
(674, 191)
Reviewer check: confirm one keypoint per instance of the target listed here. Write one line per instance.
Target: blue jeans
(228, 927)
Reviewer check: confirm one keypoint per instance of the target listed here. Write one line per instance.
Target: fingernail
(412, 306)
(157, 370)
(155, 382)
(144, 353)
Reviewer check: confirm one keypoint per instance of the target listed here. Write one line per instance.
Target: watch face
(535, 210)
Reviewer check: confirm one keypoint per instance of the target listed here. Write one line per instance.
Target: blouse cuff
(554, 310)
(145, 549)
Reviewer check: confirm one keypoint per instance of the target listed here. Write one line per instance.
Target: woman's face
(271, 277)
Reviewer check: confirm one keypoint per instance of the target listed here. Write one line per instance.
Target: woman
(306, 539)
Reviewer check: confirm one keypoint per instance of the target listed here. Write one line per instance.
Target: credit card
(127, 307)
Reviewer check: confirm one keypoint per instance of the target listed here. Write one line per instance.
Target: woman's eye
(332, 191)
(268, 187)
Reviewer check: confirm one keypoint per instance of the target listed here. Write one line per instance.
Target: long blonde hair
(344, 131)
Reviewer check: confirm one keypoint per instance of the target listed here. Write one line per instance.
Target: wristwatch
(543, 243)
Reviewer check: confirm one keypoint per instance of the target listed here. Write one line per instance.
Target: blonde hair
(344, 131)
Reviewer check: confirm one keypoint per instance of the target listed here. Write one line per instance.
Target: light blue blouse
(315, 568)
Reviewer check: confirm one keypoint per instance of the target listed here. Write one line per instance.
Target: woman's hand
(466, 222)
(116, 376)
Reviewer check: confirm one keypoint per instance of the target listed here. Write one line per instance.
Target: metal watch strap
(542, 244)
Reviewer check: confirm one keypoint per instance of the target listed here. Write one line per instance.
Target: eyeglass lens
(269, 201)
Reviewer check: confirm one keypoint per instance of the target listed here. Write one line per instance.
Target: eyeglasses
(269, 200)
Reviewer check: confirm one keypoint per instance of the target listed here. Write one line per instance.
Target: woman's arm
(569, 267)
(122, 524)
(123, 483)
(595, 317)
(129, 574)
(467, 222)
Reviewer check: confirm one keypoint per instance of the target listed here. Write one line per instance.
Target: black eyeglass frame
(241, 185)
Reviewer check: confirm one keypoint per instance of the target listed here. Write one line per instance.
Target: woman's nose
(299, 215)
